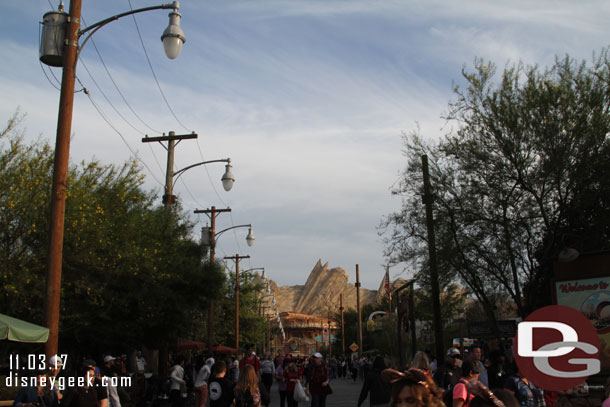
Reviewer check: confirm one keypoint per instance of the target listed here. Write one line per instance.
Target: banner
(591, 296)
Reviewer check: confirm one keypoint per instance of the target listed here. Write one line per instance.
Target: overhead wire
(163, 96)
(121, 93)
(135, 153)
(153, 71)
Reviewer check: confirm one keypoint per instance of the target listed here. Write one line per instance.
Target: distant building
(305, 334)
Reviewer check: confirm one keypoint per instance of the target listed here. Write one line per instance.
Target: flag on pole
(388, 292)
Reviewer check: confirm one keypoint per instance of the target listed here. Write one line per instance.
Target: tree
(131, 273)
(521, 161)
(252, 325)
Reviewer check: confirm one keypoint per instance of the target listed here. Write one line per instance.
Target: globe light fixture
(173, 37)
(250, 237)
(228, 179)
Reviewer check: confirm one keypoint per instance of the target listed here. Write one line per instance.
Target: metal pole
(359, 310)
(436, 303)
(330, 338)
(342, 327)
(60, 179)
(387, 276)
(412, 320)
(399, 316)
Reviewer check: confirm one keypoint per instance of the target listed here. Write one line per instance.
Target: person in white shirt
(178, 384)
(201, 383)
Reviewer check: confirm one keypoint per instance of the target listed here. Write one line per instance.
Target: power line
(135, 154)
(121, 93)
(153, 71)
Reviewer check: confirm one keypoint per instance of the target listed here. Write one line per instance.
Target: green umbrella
(17, 330)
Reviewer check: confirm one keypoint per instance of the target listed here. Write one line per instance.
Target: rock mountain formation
(320, 294)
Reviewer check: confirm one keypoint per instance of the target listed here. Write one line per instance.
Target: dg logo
(557, 348)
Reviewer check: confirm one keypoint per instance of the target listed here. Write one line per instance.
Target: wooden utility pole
(237, 258)
(342, 327)
(359, 310)
(60, 179)
(168, 199)
(436, 303)
(212, 213)
(172, 141)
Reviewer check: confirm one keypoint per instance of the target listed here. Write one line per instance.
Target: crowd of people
(458, 381)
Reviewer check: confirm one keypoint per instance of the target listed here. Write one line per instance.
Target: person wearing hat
(318, 386)
(108, 371)
(201, 382)
(449, 373)
(55, 366)
(470, 374)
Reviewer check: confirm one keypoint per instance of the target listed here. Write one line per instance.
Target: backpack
(448, 395)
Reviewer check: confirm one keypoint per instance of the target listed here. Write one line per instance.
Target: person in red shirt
(291, 376)
(470, 374)
(250, 359)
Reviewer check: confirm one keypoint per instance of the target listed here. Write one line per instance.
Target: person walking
(247, 391)
(318, 384)
(291, 376)
(201, 382)
(220, 386)
(267, 370)
(281, 384)
(178, 384)
(378, 390)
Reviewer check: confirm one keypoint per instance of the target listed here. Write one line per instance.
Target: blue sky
(308, 98)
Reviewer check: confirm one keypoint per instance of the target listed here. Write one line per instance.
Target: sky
(309, 99)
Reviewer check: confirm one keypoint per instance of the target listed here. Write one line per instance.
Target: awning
(224, 349)
(17, 330)
(190, 345)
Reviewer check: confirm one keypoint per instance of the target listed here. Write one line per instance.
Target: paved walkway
(345, 394)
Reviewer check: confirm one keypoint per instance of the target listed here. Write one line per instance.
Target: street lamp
(59, 47)
(208, 237)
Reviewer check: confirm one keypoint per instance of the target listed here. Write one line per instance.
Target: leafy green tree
(522, 158)
(252, 325)
(131, 273)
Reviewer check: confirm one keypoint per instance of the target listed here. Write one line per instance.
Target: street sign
(353, 347)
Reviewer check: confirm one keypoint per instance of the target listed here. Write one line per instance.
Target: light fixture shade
(228, 179)
(173, 36)
(250, 238)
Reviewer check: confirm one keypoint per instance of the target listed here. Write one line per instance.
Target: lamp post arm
(232, 227)
(105, 21)
(178, 173)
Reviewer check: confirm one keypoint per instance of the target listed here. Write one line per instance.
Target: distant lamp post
(59, 47)
(172, 176)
